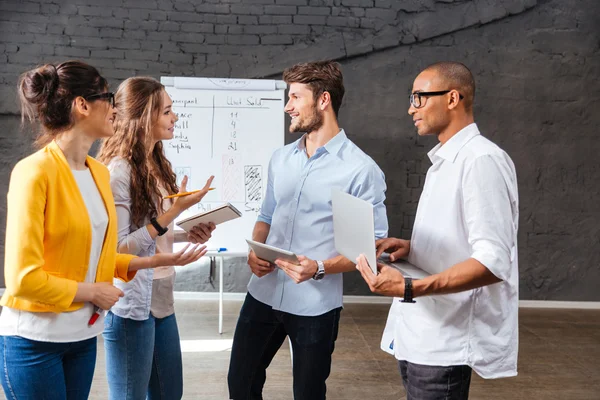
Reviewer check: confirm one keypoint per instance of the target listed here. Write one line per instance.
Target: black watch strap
(161, 231)
(408, 291)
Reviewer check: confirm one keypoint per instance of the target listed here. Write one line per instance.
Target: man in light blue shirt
(303, 301)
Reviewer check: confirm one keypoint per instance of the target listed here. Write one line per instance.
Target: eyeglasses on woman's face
(108, 96)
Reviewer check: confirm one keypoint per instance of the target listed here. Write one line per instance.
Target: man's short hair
(319, 76)
(457, 76)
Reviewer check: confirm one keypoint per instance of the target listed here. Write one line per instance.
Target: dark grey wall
(536, 65)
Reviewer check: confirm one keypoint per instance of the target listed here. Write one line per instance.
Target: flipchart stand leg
(220, 295)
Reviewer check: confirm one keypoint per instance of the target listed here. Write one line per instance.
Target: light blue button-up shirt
(297, 206)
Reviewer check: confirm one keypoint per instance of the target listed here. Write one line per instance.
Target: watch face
(320, 271)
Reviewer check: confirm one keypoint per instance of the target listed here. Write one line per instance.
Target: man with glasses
(465, 234)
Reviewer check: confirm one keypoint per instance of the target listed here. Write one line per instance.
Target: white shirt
(67, 326)
(468, 209)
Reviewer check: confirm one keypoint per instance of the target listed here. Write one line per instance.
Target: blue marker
(219, 249)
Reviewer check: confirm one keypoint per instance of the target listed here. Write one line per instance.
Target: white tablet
(270, 253)
(353, 227)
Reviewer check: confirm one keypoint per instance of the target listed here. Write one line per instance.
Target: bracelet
(408, 292)
(161, 231)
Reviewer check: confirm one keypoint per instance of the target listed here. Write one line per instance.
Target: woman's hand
(201, 233)
(184, 202)
(105, 295)
(182, 257)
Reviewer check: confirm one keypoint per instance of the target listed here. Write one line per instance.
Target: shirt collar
(333, 146)
(450, 149)
(300, 144)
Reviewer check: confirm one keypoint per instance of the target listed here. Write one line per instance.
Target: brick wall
(536, 65)
(247, 38)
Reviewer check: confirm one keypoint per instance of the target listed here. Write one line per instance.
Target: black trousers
(426, 382)
(259, 333)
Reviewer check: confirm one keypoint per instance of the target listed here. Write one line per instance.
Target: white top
(66, 326)
(468, 209)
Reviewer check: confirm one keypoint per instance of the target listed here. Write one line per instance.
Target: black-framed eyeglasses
(110, 96)
(416, 97)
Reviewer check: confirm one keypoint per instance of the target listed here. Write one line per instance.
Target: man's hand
(259, 267)
(201, 233)
(398, 248)
(299, 273)
(389, 282)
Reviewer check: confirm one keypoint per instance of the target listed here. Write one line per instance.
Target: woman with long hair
(143, 354)
(61, 239)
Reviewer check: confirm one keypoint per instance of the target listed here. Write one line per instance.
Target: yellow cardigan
(49, 234)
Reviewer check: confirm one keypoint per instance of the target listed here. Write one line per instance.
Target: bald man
(463, 316)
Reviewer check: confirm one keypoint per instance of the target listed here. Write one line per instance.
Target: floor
(559, 357)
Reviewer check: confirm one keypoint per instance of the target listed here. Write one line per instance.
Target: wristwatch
(408, 291)
(161, 231)
(320, 271)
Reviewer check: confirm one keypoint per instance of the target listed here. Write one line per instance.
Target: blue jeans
(143, 358)
(429, 382)
(259, 333)
(33, 370)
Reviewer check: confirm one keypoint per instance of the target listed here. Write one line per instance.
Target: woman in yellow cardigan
(61, 239)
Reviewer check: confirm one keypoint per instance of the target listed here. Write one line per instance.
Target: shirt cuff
(122, 267)
(262, 218)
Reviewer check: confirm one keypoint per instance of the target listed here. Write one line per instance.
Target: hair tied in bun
(51, 85)
(46, 94)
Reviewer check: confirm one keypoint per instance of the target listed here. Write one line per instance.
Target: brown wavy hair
(138, 103)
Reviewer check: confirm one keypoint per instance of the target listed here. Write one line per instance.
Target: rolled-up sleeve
(269, 203)
(122, 271)
(370, 186)
(488, 215)
(129, 242)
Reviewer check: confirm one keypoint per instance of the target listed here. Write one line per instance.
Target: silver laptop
(354, 232)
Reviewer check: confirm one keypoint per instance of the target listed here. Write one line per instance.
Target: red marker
(95, 315)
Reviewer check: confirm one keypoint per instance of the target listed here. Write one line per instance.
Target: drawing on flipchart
(180, 172)
(253, 186)
(253, 183)
(232, 177)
